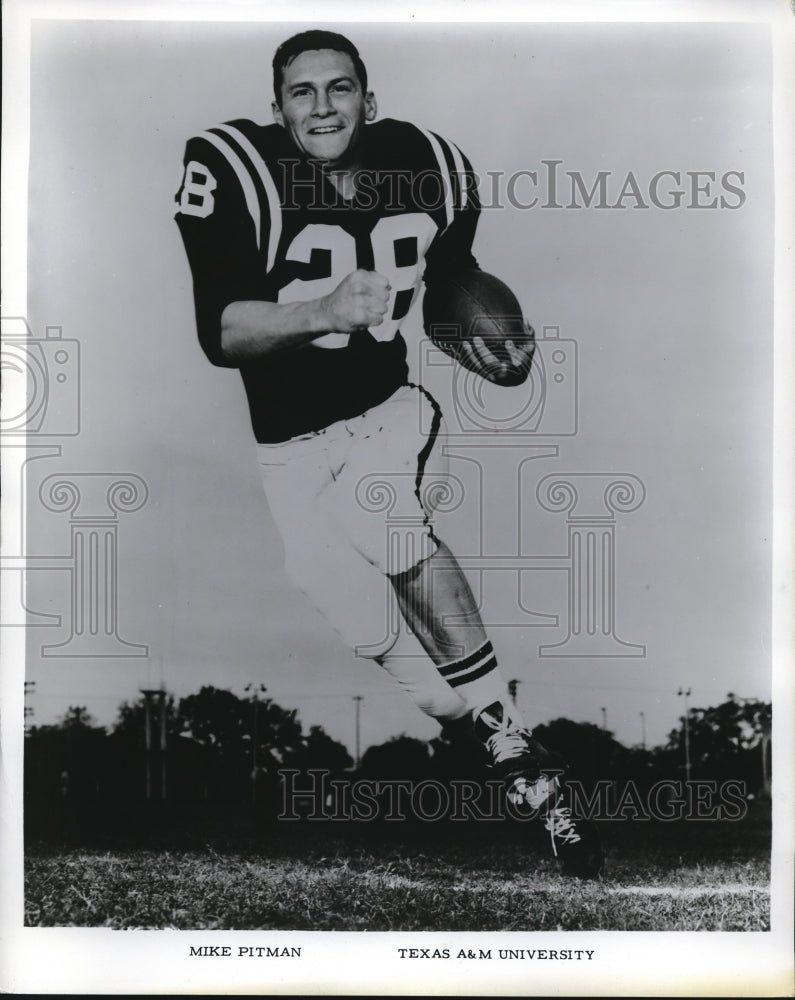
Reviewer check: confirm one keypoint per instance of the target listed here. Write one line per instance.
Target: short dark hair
(309, 40)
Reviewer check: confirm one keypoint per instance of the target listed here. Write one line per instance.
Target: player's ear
(370, 106)
(278, 117)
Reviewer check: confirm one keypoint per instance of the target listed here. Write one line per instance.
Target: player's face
(323, 107)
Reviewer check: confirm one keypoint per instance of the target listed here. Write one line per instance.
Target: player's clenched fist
(359, 301)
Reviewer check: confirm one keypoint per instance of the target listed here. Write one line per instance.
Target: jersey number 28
(399, 244)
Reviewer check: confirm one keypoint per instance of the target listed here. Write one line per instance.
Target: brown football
(473, 303)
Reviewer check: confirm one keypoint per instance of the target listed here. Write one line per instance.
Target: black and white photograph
(397, 461)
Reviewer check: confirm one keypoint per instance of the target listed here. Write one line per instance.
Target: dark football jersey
(261, 222)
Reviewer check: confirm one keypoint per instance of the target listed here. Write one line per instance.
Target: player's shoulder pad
(240, 157)
(420, 148)
(411, 134)
(239, 138)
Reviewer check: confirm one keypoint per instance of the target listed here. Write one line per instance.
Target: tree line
(217, 754)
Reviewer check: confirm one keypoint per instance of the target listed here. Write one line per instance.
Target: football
(472, 303)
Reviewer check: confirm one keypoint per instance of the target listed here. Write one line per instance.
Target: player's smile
(323, 107)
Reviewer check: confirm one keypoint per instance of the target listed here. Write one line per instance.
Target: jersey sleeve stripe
(445, 174)
(274, 206)
(456, 179)
(243, 176)
(458, 160)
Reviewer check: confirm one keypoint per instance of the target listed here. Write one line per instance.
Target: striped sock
(475, 677)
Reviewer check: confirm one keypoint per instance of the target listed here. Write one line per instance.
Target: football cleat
(575, 842)
(528, 768)
(534, 776)
(533, 793)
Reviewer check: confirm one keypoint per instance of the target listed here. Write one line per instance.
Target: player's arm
(451, 251)
(253, 329)
(234, 323)
(452, 254)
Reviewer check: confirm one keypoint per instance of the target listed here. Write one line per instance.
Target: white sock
(477, 679)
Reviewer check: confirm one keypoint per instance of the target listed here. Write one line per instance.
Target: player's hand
(358, 302)
(510, 368)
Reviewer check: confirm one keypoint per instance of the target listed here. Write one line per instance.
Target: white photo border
(74, 960)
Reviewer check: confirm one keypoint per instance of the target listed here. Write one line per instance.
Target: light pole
(686, 694)
(254, 736)
(643, 729)
(358, 699)
(604, 719)
(512, 686)
(155, 703)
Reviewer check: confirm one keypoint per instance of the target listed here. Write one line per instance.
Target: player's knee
(376, 650)
(426, 688)
(441, 705)
(403, 552)
(406, 576)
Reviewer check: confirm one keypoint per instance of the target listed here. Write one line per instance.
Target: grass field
(696, 876)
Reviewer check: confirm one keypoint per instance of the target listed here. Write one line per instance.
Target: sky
(663, 317)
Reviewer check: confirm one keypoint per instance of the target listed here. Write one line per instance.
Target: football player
(308, 241)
